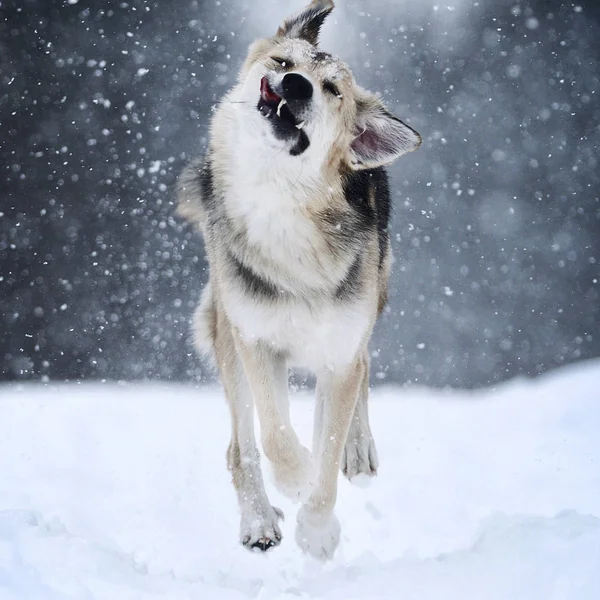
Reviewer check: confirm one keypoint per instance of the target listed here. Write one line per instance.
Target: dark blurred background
(497, 218)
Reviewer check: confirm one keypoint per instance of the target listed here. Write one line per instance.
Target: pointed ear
(307, 23)
(380, 138)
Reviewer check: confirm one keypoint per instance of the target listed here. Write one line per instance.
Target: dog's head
(297, 99)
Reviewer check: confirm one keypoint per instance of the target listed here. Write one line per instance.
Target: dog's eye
(330, 88)
(284, 62)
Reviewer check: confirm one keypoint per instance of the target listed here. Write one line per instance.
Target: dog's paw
(359, 458)
(317, 535)
(261, 532)
(296, 476)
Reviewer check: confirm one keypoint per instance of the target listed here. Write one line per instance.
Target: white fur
(274, 220)
(317, 535)
(316, 337)
(298, 482)
(203, 322)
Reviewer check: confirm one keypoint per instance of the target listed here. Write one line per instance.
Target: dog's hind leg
(292, 463)
(318, 530)
(360, 454)
(259, 520)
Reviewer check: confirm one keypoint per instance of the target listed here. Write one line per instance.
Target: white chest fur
(267, 194)
(328, 334)
(274, 219)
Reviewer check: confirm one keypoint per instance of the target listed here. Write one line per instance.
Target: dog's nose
(296, 87)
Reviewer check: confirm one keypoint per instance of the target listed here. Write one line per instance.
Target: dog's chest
(312, 332)
(275, 224)
(323, 334)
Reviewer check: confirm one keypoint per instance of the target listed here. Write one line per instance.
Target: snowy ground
(121, 492)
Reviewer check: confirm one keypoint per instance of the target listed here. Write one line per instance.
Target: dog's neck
(271, 199)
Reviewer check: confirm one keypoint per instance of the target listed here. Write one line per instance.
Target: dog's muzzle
(284, 106)
(276, 106)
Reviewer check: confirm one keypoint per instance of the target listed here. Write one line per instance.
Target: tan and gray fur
(293, 203)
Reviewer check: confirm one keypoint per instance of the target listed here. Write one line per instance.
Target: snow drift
(120, 492)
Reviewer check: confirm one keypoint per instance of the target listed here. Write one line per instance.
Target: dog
(293, 203)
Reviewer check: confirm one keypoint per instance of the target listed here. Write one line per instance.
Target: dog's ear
(380, 137)
(307, 23)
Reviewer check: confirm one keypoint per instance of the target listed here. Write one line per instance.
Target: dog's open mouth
(273, 106)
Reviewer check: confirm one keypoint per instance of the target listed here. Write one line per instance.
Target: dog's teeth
(300, 125)
(283, 101)
(340, 96)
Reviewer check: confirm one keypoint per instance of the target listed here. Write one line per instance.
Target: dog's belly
(314, 336)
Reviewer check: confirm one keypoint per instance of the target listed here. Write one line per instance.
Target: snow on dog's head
(294, 98)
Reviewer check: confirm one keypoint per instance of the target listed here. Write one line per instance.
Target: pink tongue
(268, 95)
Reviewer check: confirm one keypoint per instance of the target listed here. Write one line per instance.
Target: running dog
(293, 202)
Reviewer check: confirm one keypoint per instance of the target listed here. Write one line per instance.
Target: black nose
(296, 87)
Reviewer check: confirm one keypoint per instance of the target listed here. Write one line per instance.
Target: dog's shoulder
(367, 192)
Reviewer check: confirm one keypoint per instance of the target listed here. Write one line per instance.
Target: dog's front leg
(266, 371)
(259, 528)
(318, 530)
